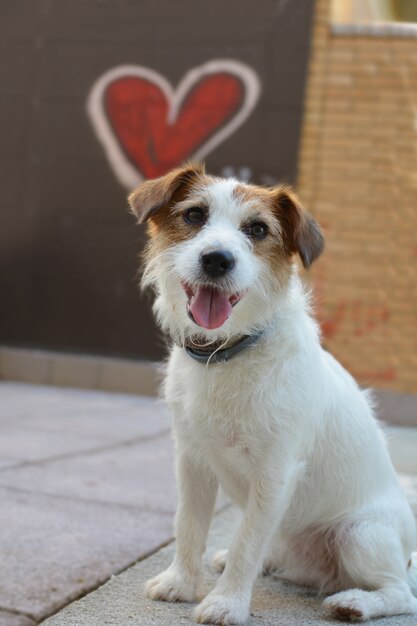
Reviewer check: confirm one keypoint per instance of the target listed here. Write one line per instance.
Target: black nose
(217, 263)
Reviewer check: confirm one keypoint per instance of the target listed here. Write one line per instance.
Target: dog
(261, 409)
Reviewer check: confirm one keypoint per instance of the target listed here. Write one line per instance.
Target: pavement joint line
(46, 429)
(142, 558)
(12, 466)
(20, 613)
(91, 451)
(93, 409)
(92, 588)
(105, 503)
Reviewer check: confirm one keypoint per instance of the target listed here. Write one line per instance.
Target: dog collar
(225, 354)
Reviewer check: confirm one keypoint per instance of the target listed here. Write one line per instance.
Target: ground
(88, 491)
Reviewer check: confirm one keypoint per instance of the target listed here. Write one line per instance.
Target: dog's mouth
(209, 307)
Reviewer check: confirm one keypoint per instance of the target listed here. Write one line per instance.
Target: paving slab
(111, 416)
(39, 422)
(140, 473)
(23, 398)
(76, 468)
(109, 423)
(87, 488)
(13, 619)
(122, 602)
(8, 462)
(31, 444)
(54, 549)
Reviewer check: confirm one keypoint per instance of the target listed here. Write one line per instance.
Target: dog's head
(220, 251)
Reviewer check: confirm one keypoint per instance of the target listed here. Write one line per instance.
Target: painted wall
(358, 175)
(95, 96)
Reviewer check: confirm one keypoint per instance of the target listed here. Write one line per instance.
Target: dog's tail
(412, 573)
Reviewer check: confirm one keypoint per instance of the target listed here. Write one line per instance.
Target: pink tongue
(210, 308)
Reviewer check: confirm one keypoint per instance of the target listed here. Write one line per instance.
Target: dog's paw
(360, 605)
(219, 560)
(348, 605)
(217, 609)
(171, 586)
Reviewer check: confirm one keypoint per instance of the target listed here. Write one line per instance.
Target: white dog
(261, 409)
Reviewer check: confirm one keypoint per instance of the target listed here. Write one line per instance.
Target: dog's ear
(155, 195)
(300, 231)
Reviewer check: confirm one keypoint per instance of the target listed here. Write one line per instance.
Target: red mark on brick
(367, 317)
(364, 317)
(330, 325)
(383, 375)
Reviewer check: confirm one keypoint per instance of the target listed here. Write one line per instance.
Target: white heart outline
(124, 170)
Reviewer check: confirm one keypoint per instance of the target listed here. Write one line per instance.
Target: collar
(211, 354)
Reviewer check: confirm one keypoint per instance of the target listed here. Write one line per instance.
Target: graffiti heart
(147, 127)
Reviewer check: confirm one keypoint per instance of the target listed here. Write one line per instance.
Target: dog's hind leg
(219, 560)
(372, 559)
(357, 604)
(412, 573)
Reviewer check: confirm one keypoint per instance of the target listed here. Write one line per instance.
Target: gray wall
(68, 247)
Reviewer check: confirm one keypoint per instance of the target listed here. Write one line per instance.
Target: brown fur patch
(272, 249)
(252, 194)
(154, 198)
(300, 232)
(162, 202)
(347, 613)
(262, 200)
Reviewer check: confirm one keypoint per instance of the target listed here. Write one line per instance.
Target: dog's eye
(257, 230)
(195, 216)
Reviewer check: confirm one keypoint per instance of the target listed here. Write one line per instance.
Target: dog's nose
(217, 262)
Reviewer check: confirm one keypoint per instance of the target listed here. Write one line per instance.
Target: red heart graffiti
(147, 126)
(138, 112)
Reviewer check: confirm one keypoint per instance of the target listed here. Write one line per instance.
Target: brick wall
(358, 176)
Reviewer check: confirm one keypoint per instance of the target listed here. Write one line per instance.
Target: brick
(358, 172)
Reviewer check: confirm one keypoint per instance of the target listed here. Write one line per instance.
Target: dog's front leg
(229, 601)
(197, 488)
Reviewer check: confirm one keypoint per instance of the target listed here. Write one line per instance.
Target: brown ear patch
(301, 233)
(154, 196)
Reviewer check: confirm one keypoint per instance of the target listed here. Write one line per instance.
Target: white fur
(288, 434)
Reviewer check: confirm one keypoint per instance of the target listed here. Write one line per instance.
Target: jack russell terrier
(261, 409)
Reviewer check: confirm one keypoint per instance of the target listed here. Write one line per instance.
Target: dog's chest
(220, 424)
(217, 412)
(224, 442)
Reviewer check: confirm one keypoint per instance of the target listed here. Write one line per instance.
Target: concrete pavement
(87, 490)
(121, 601)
